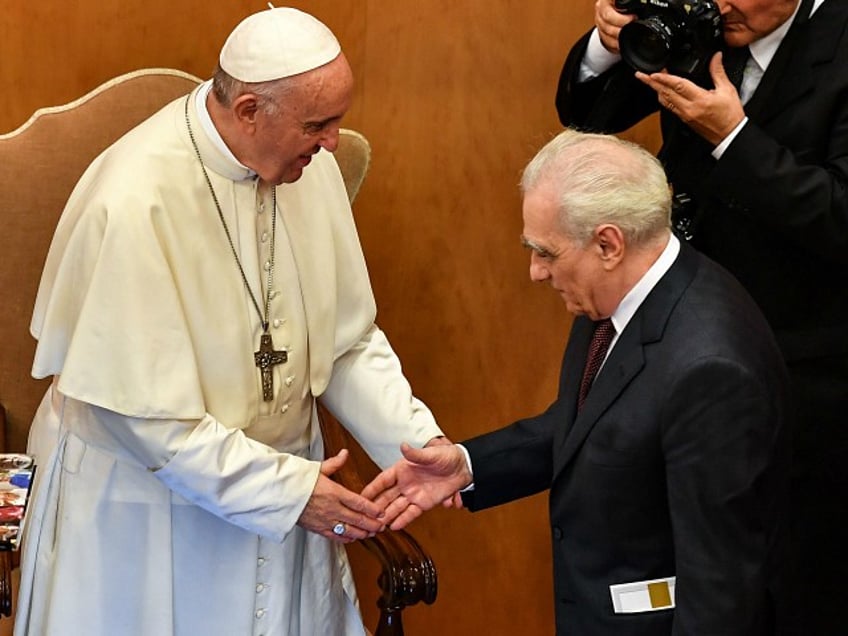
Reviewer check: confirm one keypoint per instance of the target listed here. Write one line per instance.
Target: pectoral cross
(266, 358)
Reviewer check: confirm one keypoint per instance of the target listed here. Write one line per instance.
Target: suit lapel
(625, 362)
(790, 74)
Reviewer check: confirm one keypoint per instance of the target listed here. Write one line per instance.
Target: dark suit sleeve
(803, 193)
(609, 103)
(719, 434)
(513, 462)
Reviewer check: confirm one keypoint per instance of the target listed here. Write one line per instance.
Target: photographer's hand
(712, 113)
(609, 21)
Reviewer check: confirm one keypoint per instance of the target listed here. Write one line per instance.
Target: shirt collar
(212, 132)
(763, 50)
(639, 292)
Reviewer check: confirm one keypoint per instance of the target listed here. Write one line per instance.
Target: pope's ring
(339, 528)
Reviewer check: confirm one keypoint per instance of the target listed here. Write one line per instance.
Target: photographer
(761, 176)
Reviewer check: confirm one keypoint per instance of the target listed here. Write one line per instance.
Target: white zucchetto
(277, 43)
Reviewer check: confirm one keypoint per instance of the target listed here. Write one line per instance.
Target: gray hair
(602, 179)
(227, 89)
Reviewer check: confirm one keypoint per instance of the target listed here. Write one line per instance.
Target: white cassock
(167, 490)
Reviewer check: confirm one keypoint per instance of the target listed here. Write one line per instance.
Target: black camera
(678, 35)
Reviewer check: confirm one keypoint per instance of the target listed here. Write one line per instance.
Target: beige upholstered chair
(353, 156)
(39, 164)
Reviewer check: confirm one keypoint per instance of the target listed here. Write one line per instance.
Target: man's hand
(332, 503)
(609, 21)
(423, 479)
(454, 501)
(713, 114)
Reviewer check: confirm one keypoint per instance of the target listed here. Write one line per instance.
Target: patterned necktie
(735, 60)
(598, 347)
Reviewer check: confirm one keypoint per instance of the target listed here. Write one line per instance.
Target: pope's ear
(245, 108)
(610, 243)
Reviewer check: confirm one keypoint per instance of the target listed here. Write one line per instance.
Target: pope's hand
(335, 512)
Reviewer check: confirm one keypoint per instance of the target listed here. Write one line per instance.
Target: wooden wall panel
(455, 97)
(52, 52)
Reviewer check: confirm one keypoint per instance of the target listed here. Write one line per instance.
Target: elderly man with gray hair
(665, 450)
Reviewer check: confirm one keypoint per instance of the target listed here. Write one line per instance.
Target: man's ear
(245, 108)
(610, 244)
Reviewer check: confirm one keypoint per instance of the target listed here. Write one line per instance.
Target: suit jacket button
(557, 533)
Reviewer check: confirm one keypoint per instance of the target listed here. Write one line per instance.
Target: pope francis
(204, 285)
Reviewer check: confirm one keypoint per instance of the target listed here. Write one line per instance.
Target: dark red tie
(598, 347)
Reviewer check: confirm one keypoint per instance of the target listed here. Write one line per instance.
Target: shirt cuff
(470, 486)
(597, 59)
(719, 150)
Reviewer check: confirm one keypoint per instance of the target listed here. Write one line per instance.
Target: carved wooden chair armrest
(408, 575)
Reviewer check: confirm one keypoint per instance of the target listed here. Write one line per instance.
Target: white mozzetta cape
(168, 491)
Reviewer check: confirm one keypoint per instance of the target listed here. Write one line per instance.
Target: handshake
(422, 479)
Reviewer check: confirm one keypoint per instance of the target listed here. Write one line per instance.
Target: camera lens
(646, 44)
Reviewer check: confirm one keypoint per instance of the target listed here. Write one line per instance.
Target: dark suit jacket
(774, 209)
(675, 466)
